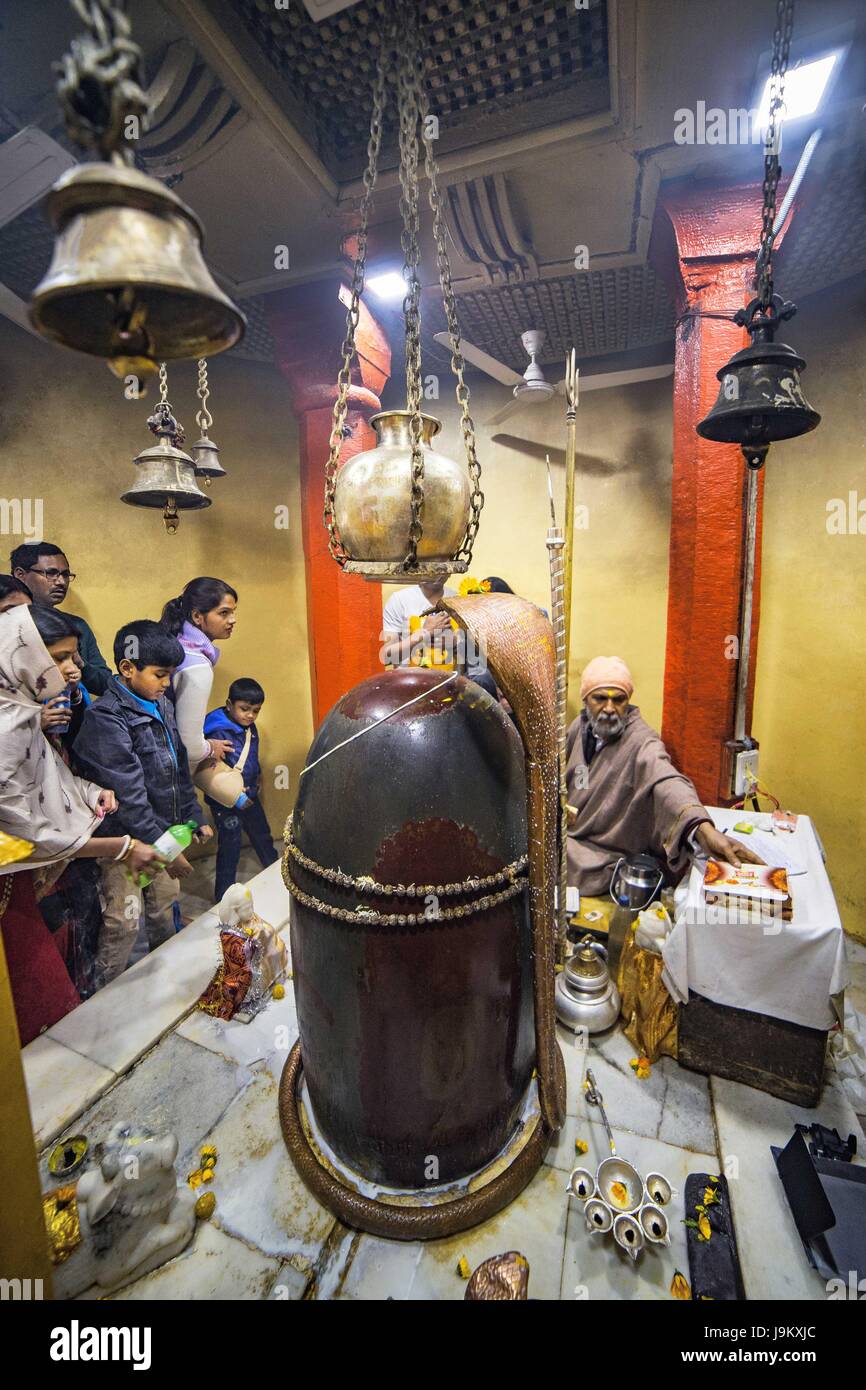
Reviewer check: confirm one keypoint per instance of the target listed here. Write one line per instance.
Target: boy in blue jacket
(129, 741)
(237, 718)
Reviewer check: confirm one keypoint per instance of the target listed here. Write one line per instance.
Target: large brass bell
(127, 279)
(760, 399)
(373, 504)
(166, 475)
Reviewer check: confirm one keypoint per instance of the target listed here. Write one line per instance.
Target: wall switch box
(747, 763)
(738, 754)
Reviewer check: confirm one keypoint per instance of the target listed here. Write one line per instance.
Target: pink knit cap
(604, 671)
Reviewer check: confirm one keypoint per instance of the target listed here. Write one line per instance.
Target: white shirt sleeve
(393, 618)
(192, 688)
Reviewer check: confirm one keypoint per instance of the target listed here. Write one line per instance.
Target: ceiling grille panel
(498, 55)
(596, 312)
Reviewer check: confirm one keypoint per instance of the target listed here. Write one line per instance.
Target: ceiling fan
(532, 388)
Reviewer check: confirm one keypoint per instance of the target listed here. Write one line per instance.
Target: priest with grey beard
(627, 796)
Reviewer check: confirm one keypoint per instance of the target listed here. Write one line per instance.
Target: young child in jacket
(130, 736)
(237, 716)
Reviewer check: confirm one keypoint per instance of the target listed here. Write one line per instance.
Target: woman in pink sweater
(203, 614)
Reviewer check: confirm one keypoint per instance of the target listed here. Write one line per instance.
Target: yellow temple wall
(810, 693)
(68, 436)
(622, 506)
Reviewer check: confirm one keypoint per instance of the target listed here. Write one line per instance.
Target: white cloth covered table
(788, 970)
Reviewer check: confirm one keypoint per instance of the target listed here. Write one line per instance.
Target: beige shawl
(40, 800)
(630, 800)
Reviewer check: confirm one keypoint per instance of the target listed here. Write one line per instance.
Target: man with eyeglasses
(625, 795)
(44, 569)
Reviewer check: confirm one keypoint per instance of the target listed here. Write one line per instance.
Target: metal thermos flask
(635, 882)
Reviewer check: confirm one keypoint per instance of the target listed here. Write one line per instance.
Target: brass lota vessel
(373, 502)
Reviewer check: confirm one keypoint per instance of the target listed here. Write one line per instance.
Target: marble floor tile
(270, 895)
(856, 991)
(290, 1285)
(60, 1084)
(671, 1104)
(562, 1153)
(123, 1021)
(178, 1087)
(595, 1267)
(336, 1259)
(574, 1050)
(382, 1269)
(271, 1033)
(534, 1224)
(213, 1266)
(773, 1260)
(260, 1198)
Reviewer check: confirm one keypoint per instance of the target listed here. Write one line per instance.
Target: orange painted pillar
(344, 612)
(704, 241)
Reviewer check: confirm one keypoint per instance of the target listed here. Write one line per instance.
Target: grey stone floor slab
(178, 1087)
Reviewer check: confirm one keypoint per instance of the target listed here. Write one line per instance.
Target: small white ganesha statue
(237, 912)
(133, 1215)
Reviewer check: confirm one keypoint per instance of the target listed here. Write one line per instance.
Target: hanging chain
(100, 81)
(772, 163)
(413, 111)
(408, 87)
(335, 545)
(458, 364)
(203, 419)
(162, 421)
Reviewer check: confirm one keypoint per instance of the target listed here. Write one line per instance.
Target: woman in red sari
(43, 804)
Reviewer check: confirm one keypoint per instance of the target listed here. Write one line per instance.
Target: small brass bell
(205, 457)
(127, 279)
(166, 476)
(760, 398)
(205, 454)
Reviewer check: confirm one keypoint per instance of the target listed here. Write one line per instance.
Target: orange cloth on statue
(227, 990)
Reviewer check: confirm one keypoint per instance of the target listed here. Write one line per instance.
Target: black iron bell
(760, 398)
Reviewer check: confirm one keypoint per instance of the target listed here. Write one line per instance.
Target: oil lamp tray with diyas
(617, 1198)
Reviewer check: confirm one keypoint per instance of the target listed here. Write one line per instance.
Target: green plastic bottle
(170, 844)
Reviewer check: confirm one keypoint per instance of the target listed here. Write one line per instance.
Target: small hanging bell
(127, 279)
(205, 457)
(166, 476)
(205, 454)
(760, 398)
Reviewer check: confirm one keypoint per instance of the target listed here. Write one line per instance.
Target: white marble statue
(133, 1215)
(237, 912)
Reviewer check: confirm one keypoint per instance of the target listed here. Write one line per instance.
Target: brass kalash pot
(402, 512)
(373, 495)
